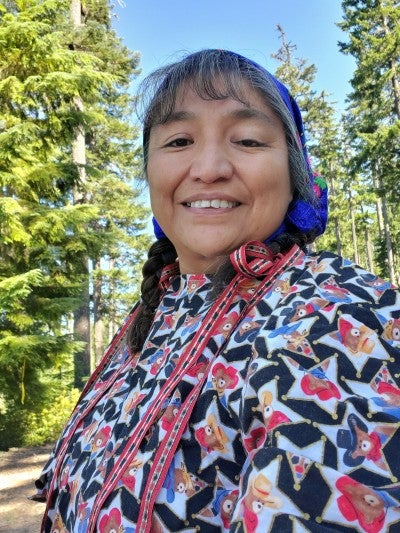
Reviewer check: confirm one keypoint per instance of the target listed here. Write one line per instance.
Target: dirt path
(19, 467)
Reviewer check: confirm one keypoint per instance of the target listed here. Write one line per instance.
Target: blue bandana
(302, 216)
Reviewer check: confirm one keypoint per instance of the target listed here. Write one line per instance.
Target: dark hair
(212, 75)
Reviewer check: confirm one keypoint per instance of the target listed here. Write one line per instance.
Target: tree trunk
(98, 314)
(82, 360)
(112, 318)
(386, 226)
(393, 68)
(388, 242)
(335, 219)
(378, 203)
(76, 11)
(356, 256)
(368, 243)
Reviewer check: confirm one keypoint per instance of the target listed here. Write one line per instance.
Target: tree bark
(393, 68)
(335, 219)
(378, 203)
(98, 314)
(356, 256)
(82, 360)
(388, 242)
(112, 318)
(370, 261)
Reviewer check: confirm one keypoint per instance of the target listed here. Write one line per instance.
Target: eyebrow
(178, 116)
(245, 113)
(251, 113)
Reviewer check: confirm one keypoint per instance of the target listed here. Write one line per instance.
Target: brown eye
(179, 143)
(250, 143)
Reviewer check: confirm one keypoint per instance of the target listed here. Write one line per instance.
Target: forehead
(218, 89)
(245, 104)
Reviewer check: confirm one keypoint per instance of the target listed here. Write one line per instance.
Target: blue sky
(163, 30)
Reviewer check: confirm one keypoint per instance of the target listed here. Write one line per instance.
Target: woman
(256, 386)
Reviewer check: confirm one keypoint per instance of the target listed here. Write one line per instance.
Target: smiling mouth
(214, 204)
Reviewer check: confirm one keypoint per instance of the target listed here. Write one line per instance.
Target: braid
(161, 254)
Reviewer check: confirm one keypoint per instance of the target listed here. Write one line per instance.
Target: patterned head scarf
(303, 215)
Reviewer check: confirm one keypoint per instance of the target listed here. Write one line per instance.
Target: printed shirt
(295, 426)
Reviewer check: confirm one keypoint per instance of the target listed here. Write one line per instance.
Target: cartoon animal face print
(386, 387)
(391, 331)
(283, 287)
(259, 495)
(333, 292)
(361, 503)
(111, 523)
(317, 266)
(157, 360)
(169, 416)
(248, 330)
(297, 342)
(182, 482)
(58, 525)
(224, 377)
(227, 507)
(100, 438)
(313, 384)
(378, 284)
(195, 281)
(357, 338)
(83, 511)
(134, 467)
(364, 444)
(272, 417)
(299, 309)
(248, 288)
(361, 444)
(211, 436)
(227, 324)
(256, 438)
(132, 403)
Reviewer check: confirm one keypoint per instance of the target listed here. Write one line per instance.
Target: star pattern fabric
(295, 428)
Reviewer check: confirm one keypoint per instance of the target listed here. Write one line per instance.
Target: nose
(211, 163)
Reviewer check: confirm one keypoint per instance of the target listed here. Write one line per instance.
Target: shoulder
(343, 280)
(325, 294)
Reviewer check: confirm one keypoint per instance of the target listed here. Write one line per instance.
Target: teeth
(216, 204)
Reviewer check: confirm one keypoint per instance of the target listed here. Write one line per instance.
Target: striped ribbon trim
(262, 259)
(189, 357)
(168, 273)
(166, 450)
(261, 264)
(107, 356)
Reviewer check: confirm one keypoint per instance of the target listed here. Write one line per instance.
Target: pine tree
(323, 141)
(113, 162)
(374, 113)
(44, 234)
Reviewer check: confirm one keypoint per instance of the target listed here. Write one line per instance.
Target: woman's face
(218, 174)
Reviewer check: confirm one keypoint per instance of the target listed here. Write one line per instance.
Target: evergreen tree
(113, 161)
(44, 72)
(323, 141)
(374, 114)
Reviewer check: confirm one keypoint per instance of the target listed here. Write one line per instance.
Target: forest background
(73, 224)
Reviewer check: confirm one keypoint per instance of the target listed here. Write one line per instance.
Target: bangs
(212, 76)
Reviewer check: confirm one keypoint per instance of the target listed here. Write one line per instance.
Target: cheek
(162, 182)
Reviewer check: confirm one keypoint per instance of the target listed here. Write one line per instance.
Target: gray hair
(217, 75)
